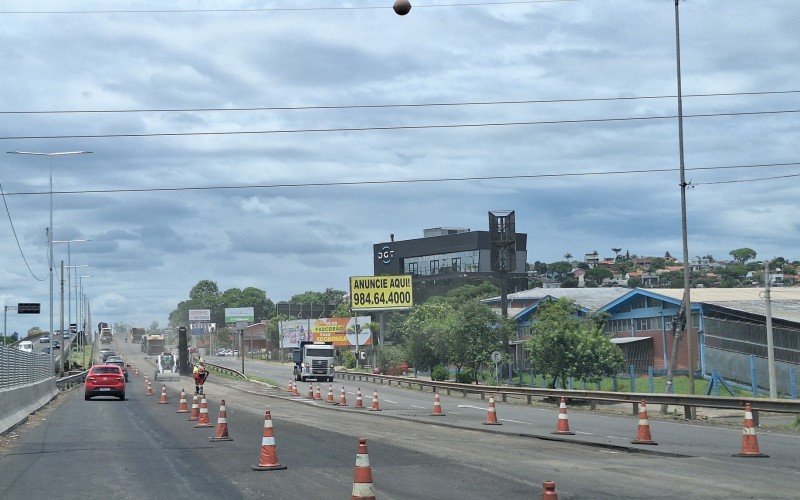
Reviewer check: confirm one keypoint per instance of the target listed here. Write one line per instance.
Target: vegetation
(440, 373)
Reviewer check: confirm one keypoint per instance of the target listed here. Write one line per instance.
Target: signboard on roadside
(199, 314)
(381, 292)
(340, 331)
(235, 314)
(28, 308)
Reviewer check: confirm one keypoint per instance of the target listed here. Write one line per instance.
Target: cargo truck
(313, 360)
(153, 344)
(136, 335)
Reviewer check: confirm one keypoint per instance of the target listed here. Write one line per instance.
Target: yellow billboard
(381, 292)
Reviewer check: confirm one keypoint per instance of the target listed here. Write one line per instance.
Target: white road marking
(473, 407)
(415, 406)
(615, 437)
(389, 401)
(586, 433)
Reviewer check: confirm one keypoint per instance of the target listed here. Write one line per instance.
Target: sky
(566, 97)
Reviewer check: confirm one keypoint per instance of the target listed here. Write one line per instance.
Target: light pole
(50, 227)
(78, 316)
(69, 278)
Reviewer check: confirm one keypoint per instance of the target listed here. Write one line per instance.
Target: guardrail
(225, 370)
(593, 397)
(71, 381)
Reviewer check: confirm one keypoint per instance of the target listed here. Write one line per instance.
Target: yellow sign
(381, 292)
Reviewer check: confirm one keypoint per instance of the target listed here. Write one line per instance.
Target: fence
(18, 368)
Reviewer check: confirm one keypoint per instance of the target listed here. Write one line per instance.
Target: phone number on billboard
(381, 298)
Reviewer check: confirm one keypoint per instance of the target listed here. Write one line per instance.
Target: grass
(264, 380)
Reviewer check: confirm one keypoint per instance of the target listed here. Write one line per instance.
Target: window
(456, 263)
(647, 324)
(413, 268)
(434, 267)
(466, 261)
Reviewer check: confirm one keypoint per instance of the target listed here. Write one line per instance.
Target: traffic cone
(375, 405)
(195, 413)
(310, 391)
(294, 389)
(437, 407)
(491, 415)
(290, 387)
(149, 389)
(359, 402)
(362, 475)
(183, 405)
(749, 439)
(221, 432)
(163, 400)
(268, 459)
(549, 491)
(203, 420)
(643, 431)
(135, 372)
(330, 395)
(318, 394)
(563, 424)
(342, 398)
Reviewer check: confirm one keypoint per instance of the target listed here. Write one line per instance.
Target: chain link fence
(18, 368)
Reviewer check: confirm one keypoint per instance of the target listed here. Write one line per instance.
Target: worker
(199, 374)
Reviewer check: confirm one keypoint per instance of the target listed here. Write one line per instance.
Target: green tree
(391, 355)
(540, 267)
(476, 333)
(596, 275)
(466, 293)
(424, 325)
(569, 282)
(634, 282)
(656, 264)
(742, 255)
(558, 270)
(564, 345)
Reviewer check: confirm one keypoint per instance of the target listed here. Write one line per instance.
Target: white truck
(313, 360)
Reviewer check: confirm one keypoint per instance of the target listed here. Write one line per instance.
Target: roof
(713, 295)
(589, 299)
(628, 340)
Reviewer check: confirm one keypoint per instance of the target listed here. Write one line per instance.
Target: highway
(140, 449)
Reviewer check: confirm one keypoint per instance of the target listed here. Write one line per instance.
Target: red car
(105, 380)
(401, 369)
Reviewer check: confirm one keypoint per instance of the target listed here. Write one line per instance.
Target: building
(447, 257)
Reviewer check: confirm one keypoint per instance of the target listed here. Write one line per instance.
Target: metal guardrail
(19, 368)
(71, 381)
(685, 400)
(225, 370)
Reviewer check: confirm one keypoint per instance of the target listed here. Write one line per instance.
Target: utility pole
(773, 384)
(61, 323)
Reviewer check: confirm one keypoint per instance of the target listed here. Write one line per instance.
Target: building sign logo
(386, 254)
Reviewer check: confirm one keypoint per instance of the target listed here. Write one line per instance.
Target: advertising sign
(199, 314)
(381, 292)
(234, 314)
(340, 331)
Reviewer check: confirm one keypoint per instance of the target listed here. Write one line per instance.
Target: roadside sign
(199, 315)
(73, 328)
(28, 308)
(241, 325)
(381, 292)
(497, 357)
(235, 314)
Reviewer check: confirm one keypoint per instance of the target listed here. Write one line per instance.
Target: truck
(153, 344)
(105, 333)
(313, 360)
(136, 335)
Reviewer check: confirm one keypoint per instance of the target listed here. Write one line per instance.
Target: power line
(16, 238)
(391, 105)
(278, 9)
(737, 181)
(392, 127)
(395, 181)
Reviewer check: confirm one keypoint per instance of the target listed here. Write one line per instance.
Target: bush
(466, 376)
(440, 373)
(348, 359)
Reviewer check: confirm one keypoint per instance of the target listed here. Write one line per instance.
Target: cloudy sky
(184, 97)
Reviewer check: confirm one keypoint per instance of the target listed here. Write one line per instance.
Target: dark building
(446, 257)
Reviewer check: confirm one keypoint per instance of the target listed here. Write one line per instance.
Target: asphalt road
(140, 449)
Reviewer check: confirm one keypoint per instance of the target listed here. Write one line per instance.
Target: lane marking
(473, 407)
(393, 402)
(415, 406)
(615, 437)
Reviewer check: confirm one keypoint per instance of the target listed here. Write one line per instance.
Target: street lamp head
(402, 7)
(58, 153)
(70, 241)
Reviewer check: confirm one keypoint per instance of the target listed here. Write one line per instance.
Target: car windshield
(320, 352)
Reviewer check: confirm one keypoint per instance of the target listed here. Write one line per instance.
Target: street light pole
(69, 279)
(50, 227)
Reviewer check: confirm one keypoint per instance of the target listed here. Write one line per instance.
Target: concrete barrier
(17, 403)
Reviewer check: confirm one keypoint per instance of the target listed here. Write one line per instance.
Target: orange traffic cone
(221, 432)
(183, 406)
(437, 407)
(195, 414)
(163, 400)
(135, 372)
(491, 415)
(268, 459)
(643, 431)
(203, 420)
(749, 439)
(342, 398)
(149, 389)
(290, 387)
(359, 402)
(317, 393)
(549, 491)
(362, 476)
(330, 395)
(563, 424)
(375, 405)
(310, 391)
(294, 389)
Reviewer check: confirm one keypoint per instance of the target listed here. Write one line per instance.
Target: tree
(466, 293)
(563, 345)
(425, 324)
(634, 282)
(656, 264)
(596, 275)
(567, 256)
(616, 253)
(153, 326)
(558, 270)
(476, 333)
(540, 267)
(742, 255)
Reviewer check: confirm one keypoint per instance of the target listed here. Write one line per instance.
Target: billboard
(340, 331)
(381, 292)
(234, 314)
(199, 314)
